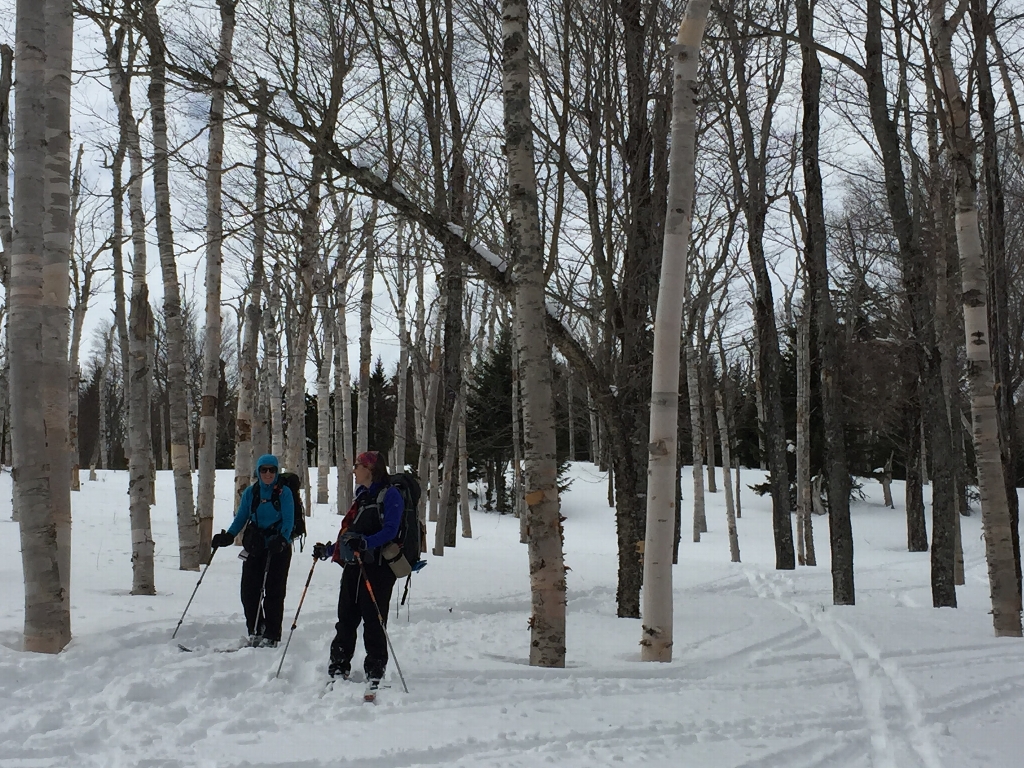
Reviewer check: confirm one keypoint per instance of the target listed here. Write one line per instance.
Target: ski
(370, 694)
(186, 649)
(327, 687)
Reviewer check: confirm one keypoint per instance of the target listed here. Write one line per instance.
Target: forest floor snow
(765, 671)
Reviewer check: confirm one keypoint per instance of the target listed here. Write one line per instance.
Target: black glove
(222, 539)
(323, 551)
(277, 545)
(354, 541)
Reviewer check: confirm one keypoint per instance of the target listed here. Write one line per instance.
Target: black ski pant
(355, 606)
(253, 570)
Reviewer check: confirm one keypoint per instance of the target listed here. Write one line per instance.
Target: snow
(766, 672)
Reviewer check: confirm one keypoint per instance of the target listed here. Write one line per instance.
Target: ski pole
(263, 595)
(295, 621)
(383, 626)
(205, 568)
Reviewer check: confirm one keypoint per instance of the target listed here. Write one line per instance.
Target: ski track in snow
(881, 683)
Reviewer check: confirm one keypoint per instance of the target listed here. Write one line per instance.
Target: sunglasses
(270, 470)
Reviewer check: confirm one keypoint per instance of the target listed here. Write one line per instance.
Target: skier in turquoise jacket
(267, 553)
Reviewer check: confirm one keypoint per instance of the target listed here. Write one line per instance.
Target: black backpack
(409, 535)
(294, 483)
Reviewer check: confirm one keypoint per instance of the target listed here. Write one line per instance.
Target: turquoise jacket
(267, 517)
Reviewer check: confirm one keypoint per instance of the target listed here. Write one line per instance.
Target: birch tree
(248, 353)
(1006, 605)
(365, 329)
(547, 572)
(38, 333)
(189, 555)
(323, 390)
(214, 260)
(138, 374)
(657, 635)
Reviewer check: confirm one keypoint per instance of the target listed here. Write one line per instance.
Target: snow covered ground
(766, 671)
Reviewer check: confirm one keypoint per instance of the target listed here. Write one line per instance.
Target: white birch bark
(656, 638)
(995, 513)
(58, 234)
(547, 572)
(248, 354)
(214, 260)
(189, 555)
(38, 301)
(138, 373)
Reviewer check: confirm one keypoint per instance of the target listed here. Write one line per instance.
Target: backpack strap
(275, 499)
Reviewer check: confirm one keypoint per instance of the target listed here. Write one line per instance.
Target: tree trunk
(572, 413)
(1006, 606)
(547, 573)
(887, 484)
(463, 478)
(998, 275)
(140, 491)
(427, 467)
(365, 329)
(450, 462)
(401, 410)
(755, 208)
(914, 267)
(82, 294)
(917, 534)
(38, 302)
(323, 404)
(429, 441)
(730, 510)
(6, 237)
(707, 399)
(248, 357)
(214, 258)
(656, 639)
(517, 448)
(6, 233)
(297, 339)
(271, 362)
(803, 417)
(700, 523)
(343, 402)
(188, 531)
